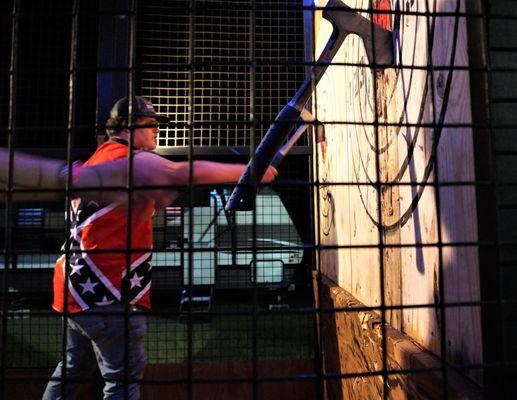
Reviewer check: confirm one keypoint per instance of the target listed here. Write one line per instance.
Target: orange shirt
(96, 278)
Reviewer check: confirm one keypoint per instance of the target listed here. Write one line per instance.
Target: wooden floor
(29, 384)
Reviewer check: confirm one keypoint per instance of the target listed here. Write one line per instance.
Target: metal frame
(494, 299)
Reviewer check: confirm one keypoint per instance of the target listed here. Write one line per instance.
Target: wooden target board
(407, 183)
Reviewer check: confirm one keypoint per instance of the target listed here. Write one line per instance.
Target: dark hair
(116, 125)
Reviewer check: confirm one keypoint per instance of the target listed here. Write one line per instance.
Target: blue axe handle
(243, 196)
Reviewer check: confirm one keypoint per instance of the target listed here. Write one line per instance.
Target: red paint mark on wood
(383, 20)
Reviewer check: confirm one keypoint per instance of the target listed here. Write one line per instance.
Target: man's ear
(124, 132)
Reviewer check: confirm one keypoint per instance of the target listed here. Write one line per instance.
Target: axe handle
(289, 145)
(243, 196)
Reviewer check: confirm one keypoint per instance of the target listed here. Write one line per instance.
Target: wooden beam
(352, 344)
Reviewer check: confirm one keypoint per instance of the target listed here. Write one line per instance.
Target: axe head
(378, 41)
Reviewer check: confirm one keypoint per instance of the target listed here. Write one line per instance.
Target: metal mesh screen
(252, 304)
(221, 61)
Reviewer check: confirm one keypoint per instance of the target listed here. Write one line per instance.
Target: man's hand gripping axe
(379, 49)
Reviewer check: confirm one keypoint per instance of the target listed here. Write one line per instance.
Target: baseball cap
(141, 107)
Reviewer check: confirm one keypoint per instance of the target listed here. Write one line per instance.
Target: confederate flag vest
(98, 247)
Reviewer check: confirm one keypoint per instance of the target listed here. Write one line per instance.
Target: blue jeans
(95, 339)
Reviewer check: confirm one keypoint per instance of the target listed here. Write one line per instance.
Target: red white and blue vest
(95, 278)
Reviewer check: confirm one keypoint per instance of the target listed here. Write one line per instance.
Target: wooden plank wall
(416, 149)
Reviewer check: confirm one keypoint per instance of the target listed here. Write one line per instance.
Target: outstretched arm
(153, 170)
(206, 172)
(31, 172)
(48, 176)
(149, 169)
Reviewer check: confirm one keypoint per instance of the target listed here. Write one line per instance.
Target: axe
(345, 21)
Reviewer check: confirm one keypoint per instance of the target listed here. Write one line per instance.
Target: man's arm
(30, 172)
(206, 172)
(50, 176)
(149, 169)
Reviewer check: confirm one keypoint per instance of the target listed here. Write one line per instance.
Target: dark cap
(141, 107)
